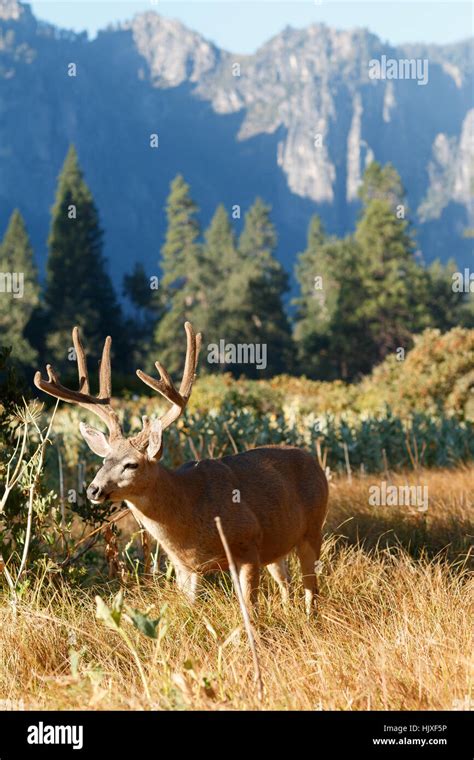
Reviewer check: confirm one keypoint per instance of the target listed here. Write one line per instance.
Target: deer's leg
(187, 582)
(249, 579)
(308, 555)
(279, 572)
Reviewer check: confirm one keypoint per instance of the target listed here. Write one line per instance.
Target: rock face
(451, 171)
(11, 10)
(174, 53)
(296, 123)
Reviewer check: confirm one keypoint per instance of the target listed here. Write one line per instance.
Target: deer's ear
(155, 442)
(95, 439)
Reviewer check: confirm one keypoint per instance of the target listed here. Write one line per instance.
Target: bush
(436, 375)
(416, 439)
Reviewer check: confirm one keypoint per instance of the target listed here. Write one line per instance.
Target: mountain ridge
(233, 137)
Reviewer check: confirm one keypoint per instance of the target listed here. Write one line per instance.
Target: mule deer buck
(270, 499)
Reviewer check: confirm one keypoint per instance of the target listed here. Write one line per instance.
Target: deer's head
(127, 461)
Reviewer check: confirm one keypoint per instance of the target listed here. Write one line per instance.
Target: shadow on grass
(419, 534)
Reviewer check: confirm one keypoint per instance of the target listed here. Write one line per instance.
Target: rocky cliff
(296, 123)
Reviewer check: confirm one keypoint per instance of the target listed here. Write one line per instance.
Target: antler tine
(166, 387)
(193, 346)
(81, 361)
(53, 378)
(98, 405)
(105, 371)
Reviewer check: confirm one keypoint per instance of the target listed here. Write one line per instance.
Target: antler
(99, 405)
(166, 387)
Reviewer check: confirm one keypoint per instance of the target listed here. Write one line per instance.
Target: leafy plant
(113, 618)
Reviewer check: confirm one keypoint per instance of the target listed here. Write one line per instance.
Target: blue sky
(241, 27)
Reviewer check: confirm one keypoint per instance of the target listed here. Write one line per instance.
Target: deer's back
(280, 473)
(282, 489)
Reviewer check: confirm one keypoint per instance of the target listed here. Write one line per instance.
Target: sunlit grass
(393, 628)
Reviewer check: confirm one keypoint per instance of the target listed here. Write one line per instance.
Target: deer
(270, 499)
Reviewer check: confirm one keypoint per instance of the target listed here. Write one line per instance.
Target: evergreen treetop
(17, 304)
(78, 288)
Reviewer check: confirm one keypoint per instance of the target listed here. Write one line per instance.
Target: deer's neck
(161, 506)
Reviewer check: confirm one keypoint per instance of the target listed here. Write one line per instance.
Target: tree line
(360, 297)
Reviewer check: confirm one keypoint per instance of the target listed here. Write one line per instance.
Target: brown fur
(270, 500)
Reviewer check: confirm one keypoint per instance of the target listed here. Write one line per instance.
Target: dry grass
(393, 630)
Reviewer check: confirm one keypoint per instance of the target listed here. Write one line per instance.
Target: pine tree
(181, 248)
(381, 183)
(20, 296)
(312, 318)
(330, 341)
(393, 281)
(446, 307)
(351, 346)
(259, 285)
(402, 296)
(373, 293)
(307, 269)
(79, 289)
(184, 277)
(222, 261)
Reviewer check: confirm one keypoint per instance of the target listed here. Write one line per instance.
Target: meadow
(392, 631)
(92, 618)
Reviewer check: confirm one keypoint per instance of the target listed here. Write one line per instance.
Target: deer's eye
(130, 466)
